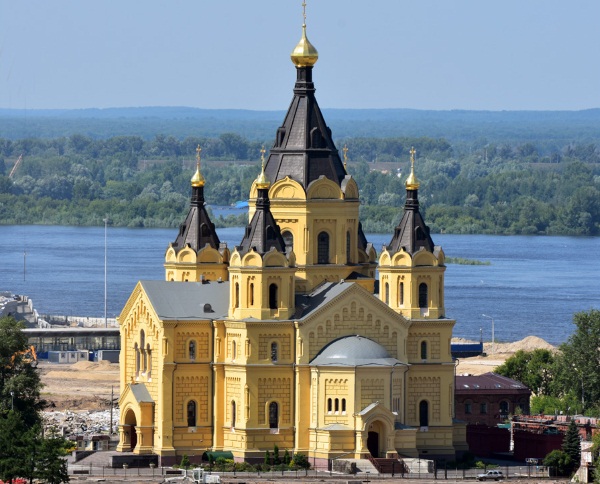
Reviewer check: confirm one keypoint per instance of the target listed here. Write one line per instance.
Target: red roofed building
(489, 399)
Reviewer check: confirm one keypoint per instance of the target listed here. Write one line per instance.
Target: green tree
(276, 459)
(558, 462)
(267, 460)
(532, 368)
(572, 445)
(185, 461)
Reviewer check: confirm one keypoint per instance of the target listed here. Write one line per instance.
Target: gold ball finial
(262, 181)
(304, 54)
(198, 179)
(411, 182)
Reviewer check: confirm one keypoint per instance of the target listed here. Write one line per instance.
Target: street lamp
(105, 290)
(486, 316)
(12, 401)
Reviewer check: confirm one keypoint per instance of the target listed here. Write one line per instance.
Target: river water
(533, 285)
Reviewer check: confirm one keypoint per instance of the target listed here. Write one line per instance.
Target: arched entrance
(129, 430)
(375, 437)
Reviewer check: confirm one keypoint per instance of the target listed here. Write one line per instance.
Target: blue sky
(424, 54)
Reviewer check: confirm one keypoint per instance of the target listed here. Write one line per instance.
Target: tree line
(493, 188)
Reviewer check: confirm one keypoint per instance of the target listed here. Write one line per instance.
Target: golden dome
(411, 182)
(198, 179)
(262, 181)
(304, 54)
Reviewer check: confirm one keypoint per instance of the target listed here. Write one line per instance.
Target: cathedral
(301, 336)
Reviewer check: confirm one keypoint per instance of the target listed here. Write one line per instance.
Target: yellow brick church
(292, 337)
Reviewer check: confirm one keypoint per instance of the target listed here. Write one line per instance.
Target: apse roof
(354, 350)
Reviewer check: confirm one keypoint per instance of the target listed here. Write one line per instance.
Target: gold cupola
(262, 182)
(198, 179)
(304, 54)
(411, 182)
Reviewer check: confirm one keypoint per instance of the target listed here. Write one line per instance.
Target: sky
(216, 54)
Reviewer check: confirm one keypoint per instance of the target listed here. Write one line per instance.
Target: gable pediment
(352, 311)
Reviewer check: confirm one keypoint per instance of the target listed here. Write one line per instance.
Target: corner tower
(197, 254)
(313, 199)
(262, 270)
(411, 267)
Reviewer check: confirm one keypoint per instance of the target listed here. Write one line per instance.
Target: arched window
(401, 294)
(137, 359)
(504, 407)
(273, 415)
(192, 350)
(232, 413)
(483, 408)
(233, 349)
(236, 302)
(423, 299)
(323, 248)
(337, 405)
(343, 405)
(143, 351)
(468, 407)
(288, 239)
(191, 413)
(149, 353)
(424, 413)
(387, 293)
(273, 296)
(274, 352)
(423, 350)
(348, 252)
(329, 406)
(251, 294)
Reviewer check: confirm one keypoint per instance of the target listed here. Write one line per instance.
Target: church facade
(301, 336)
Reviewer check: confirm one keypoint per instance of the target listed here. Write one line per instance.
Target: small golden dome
(262, 181)
(198, 179)
(304, 54)
(411, 182)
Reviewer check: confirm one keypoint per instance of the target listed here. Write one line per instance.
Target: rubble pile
(80, 423)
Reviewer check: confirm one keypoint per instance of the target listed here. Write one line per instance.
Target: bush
(185, 461)
(558, 462)
(300, 461)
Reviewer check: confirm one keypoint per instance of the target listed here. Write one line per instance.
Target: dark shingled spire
(197, 230)
(304, 149)
(262, 234)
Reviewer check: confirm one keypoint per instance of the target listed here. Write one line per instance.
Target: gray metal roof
(306, 304)
(140, 392)
(188, 300)
(354, 351)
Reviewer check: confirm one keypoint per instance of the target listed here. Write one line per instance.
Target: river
(533, 285)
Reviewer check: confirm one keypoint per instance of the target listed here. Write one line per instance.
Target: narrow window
(137, 360)
(468, 409)
(337, 405)
(424, 413)
(274, 354)
(273, 415)
(288, 239)
(233, 414)
(233, 349)
(348, 258)
(192, 350)
(401, 294)
(323, 248)
(251, 294)
(236, 303)
(483, 408)
(423, 299)
(329, 407)
(423, 350)
(149, 353)
(191, 413)
(387, 293)
(143, 350)
(343, 405)
(273, 296)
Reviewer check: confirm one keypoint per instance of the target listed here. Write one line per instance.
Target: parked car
(490, 476)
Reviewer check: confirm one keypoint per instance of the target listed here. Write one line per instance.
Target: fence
(514, 472)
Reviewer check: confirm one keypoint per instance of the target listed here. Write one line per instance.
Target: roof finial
(345, 150)
(262, 181)
(304, 54)
(411, 182)
(198, 179)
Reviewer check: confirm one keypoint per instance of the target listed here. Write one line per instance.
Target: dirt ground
(87, 386)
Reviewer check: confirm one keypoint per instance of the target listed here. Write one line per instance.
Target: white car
(490, 476)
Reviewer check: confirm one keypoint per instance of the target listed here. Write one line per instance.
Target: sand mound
(529, 343)
(84, 365)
